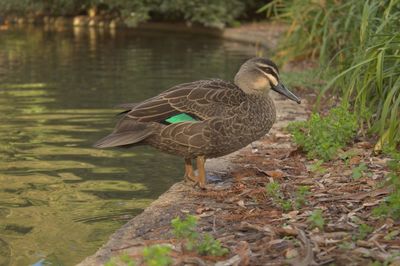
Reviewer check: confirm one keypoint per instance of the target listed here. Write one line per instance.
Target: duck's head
(258, 75)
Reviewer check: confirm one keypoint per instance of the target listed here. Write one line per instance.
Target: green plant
(391, 206)
(364, 230)
(392, 235)
(358, 40)
(321, 137)
(359, 171)
(371, 83)
(301, 195)
(319, 24)
(210, 246)
(346, 245)
(286, 205)
(186, 229)
(346, 156)
(273, 189)
(110, 263)
(317, 167)
(316, 219)
(392, 258)
(205, 245)
(124, 258)
(157, 255)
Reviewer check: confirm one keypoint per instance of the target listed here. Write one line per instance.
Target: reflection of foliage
(215, 13)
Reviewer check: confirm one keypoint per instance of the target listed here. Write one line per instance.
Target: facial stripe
(272, 79)
(269, 70)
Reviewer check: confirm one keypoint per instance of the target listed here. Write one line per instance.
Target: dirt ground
(247, 220)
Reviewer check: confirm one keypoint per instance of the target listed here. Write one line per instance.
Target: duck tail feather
(122, 138)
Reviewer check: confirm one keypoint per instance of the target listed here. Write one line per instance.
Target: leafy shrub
(273, 189)
(363, 231)
(299, 200)
(301, 194)
(316, 219)
(371, 83)
(321, 137)
(359, 39)
(359, 171)
(317, 167)
(157, 255)
(185, 229)
(391, 206)
(210, 246)
(123, 259)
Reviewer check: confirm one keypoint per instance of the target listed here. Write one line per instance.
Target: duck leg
(189, 173)
(201, 177)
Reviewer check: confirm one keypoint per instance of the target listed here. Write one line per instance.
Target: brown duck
(204, 119)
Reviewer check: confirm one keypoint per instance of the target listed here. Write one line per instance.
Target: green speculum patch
(180, 118)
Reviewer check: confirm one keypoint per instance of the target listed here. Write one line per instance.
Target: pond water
(60, 199)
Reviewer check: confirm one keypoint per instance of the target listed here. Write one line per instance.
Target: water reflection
(59, 198)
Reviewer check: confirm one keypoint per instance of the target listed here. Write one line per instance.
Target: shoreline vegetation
(119, 13)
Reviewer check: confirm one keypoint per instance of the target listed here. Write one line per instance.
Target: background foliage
(212, 13)
(357, 41)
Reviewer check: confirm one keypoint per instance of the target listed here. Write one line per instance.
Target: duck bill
(280, 88)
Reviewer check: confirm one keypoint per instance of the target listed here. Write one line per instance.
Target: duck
(203, 119)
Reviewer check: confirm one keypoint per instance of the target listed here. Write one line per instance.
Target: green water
(60, 199)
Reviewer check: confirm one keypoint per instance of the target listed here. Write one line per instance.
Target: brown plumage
(225, 116)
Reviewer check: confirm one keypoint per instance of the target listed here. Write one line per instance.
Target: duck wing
(201, 99)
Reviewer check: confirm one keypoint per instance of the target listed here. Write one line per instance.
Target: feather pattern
(227, 119)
